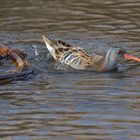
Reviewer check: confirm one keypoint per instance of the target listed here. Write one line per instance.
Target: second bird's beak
(127, 56)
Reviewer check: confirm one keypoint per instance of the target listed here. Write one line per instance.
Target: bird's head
(116, 55)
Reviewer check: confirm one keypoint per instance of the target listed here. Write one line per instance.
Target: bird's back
(73, 56)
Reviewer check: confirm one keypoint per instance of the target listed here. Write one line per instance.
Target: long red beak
(126, 56)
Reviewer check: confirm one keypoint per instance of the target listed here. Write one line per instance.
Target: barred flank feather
(77, 58)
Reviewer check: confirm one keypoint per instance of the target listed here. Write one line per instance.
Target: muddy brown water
(70, 105)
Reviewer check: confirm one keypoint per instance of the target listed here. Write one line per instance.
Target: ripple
(61, 104)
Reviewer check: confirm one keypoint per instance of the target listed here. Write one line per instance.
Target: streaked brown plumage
(77, 58)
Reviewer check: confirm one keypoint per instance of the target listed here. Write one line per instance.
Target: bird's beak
(127, 56)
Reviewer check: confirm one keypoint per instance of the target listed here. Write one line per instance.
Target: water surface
(59, 105)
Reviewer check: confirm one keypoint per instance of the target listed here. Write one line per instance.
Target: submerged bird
(79, 59)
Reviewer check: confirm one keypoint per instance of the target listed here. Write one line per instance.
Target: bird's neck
(108, 63)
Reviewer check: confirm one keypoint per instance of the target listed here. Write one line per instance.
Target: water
(59, 105)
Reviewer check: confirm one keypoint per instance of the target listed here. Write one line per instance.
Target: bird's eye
(120, 52)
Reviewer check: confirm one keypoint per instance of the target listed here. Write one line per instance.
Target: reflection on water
(61, 105)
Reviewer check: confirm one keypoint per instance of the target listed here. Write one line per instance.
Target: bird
(79, 59)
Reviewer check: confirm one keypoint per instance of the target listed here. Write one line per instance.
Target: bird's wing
(73, 56)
